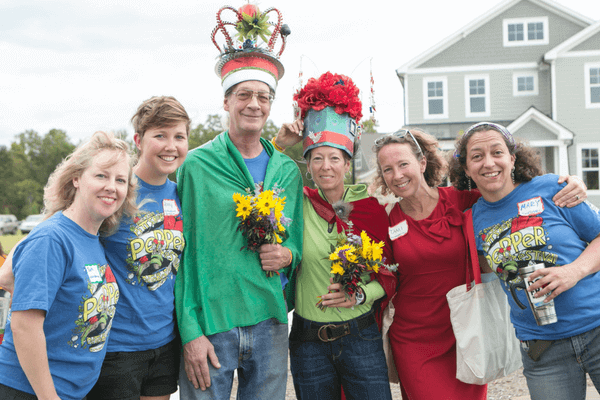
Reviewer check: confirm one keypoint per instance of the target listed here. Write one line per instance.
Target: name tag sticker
(531, 207)
(93, 273)
(398, 230)
(170, 207)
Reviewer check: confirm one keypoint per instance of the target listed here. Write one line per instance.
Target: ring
(577, 196)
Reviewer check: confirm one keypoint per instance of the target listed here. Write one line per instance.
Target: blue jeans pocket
(371, 332)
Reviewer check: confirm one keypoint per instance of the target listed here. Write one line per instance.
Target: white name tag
(170, 207)
(93, 273)
(531, 207)
(398, 230)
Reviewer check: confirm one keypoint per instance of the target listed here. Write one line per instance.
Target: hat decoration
(250, 55)
(331, 109)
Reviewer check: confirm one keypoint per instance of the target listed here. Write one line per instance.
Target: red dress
(431, 255)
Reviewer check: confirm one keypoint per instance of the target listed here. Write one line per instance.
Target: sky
(83, 66)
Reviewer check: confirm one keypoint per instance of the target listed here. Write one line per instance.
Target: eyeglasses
(246, 94)
(399, 134)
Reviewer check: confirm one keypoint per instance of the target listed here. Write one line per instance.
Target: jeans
(560, 373)
(355, 362)
(258, 352)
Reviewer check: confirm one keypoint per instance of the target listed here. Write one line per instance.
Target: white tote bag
(486, 345)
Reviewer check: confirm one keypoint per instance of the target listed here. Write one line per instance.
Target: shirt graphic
(516, 243)
(155, 251)
(96, 310)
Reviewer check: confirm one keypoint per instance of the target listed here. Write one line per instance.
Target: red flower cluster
(330, 90)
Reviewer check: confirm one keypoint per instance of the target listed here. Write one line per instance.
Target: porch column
(563, 159)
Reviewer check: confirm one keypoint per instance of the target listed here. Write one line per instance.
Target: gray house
(531, 65)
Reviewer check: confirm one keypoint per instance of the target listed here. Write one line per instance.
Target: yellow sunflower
(366, 245)
(265, 202)
(237, 197)
(336, 268)
(279, 204)
(244, 207)
(377, 251)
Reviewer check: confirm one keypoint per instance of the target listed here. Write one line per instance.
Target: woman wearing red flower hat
(65, 293)
(336, 344)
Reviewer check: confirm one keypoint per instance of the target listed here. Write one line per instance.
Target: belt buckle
(332, 326)
(324, 329)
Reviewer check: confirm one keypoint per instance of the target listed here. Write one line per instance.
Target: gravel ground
(510, 387)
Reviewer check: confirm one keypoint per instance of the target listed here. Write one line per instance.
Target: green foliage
(31, 158)
(25, 169)
(369, 126)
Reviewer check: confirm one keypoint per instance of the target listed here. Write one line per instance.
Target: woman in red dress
(429, 246)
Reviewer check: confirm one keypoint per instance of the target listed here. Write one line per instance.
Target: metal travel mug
(4, 309)
(544, 313)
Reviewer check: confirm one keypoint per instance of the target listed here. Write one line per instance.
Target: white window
(592, 85)
(477, 95)
(590, 169)
(525, 31)
(435, 97)
(525, 83)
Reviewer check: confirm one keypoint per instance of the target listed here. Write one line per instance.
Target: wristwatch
(360, 296)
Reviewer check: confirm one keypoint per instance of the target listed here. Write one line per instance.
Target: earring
(308, 177)
(512, 175)
(469, 182)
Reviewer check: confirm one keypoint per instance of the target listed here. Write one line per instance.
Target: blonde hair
(59, 192)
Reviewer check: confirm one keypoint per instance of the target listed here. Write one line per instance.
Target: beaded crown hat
(250, 54)
(331, 110)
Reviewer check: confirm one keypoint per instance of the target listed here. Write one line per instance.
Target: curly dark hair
(527, 159)
(436, 168)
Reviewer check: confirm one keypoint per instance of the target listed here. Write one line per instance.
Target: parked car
(8, 224)
(30, 222)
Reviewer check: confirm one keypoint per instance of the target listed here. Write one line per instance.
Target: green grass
(9, 241)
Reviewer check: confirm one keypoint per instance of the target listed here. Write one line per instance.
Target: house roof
(484, 19)
(573, 41)
(533, 114)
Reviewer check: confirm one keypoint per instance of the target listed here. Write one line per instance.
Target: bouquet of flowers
(351, 257)
(261, 217)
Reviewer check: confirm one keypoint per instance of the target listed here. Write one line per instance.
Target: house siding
(572, 113)
(470, 51)
(592, 43)
(533, 131)
(503, 105)
(570, 98)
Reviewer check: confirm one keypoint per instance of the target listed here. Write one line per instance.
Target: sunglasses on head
(399, 134)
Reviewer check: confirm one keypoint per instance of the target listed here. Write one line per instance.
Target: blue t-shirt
(257, 167)
(61, 269)
(145, 254)
(526, 227)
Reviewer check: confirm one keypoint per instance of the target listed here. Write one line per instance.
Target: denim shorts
(129, 375)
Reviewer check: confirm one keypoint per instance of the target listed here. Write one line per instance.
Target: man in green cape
(230, 305)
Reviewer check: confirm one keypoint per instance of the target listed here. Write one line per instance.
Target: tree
(29, 162)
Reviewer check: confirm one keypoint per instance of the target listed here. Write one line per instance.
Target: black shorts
(129, 375)
(8, 393)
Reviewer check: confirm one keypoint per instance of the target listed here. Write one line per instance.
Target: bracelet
(277, 147)
(291, 258)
